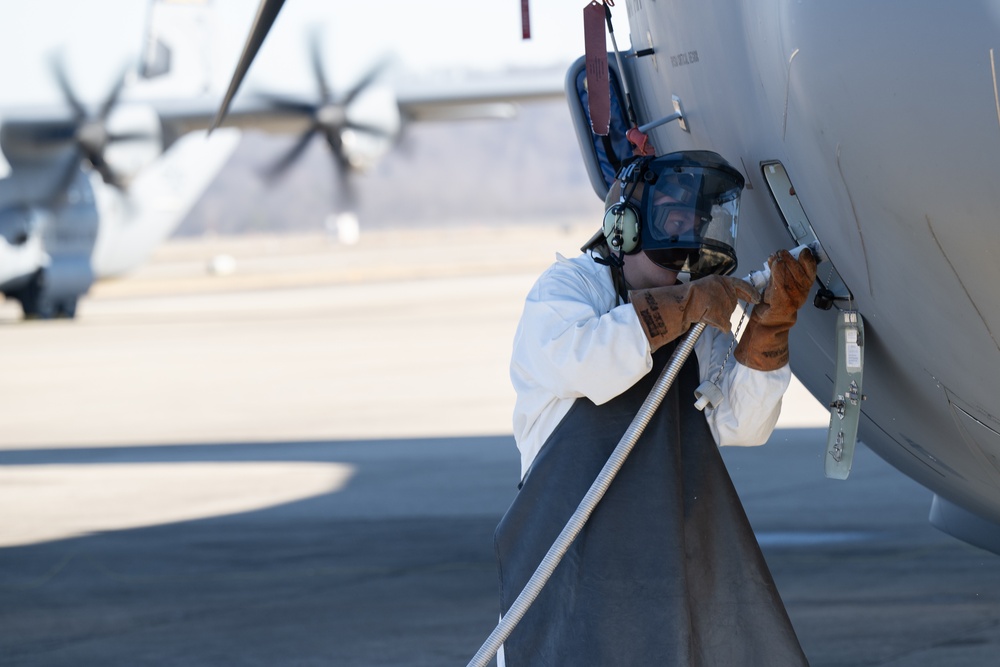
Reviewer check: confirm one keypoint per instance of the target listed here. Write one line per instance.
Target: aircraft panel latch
(845, 409)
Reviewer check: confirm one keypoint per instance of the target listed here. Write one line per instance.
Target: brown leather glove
(667, 312)
(764, 344)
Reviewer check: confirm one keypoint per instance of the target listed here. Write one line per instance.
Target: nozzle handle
(759, 278)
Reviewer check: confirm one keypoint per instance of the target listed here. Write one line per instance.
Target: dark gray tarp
(667, 570)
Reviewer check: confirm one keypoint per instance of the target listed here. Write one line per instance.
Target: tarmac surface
(302, 461)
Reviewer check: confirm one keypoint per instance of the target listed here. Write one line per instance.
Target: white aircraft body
(62, 226)
(874, 129)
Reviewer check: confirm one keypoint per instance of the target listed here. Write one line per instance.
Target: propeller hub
(331, 116)
(93, 136)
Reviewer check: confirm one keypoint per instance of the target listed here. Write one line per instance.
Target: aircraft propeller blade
(283, 103)
(87, 131)
(329, 117)
(67, 90)
(112, 99)
(58, 195)
(365, 81)
(345, 197)
(267, 12)
(102, 167)
(336, 143)
(292, 156)
(319, 71)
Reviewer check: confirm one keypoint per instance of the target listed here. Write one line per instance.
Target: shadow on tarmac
(397, 568)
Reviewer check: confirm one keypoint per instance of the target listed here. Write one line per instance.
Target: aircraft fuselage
(891, 140)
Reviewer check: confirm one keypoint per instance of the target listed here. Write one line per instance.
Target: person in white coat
(667, 570)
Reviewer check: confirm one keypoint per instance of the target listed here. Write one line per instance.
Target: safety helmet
(680, 209)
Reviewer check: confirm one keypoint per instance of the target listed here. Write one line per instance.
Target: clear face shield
(689, 217)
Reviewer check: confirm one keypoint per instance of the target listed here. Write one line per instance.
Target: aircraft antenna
(629, 109)
(267, 11)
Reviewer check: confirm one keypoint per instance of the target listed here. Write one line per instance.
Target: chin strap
(612, 260)
(601, 253)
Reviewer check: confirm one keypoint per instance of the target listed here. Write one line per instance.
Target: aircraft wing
(23, 130)
(439, 98)
(479, 96)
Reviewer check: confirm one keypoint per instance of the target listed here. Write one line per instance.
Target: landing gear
(38, 305)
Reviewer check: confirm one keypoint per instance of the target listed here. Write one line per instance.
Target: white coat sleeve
(572, 349)
(752, 398)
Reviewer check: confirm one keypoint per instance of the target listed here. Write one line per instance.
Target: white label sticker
(853, 350)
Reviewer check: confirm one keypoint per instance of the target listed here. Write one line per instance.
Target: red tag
(640, 141)
(525, 21)
(596, 48)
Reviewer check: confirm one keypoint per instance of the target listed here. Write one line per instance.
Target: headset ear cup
(621, 228)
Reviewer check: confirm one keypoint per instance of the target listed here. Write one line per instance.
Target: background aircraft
(104, 150)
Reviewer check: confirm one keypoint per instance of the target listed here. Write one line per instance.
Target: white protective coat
(574, 342)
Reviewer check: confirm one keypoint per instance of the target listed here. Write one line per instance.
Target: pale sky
(97, 38)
